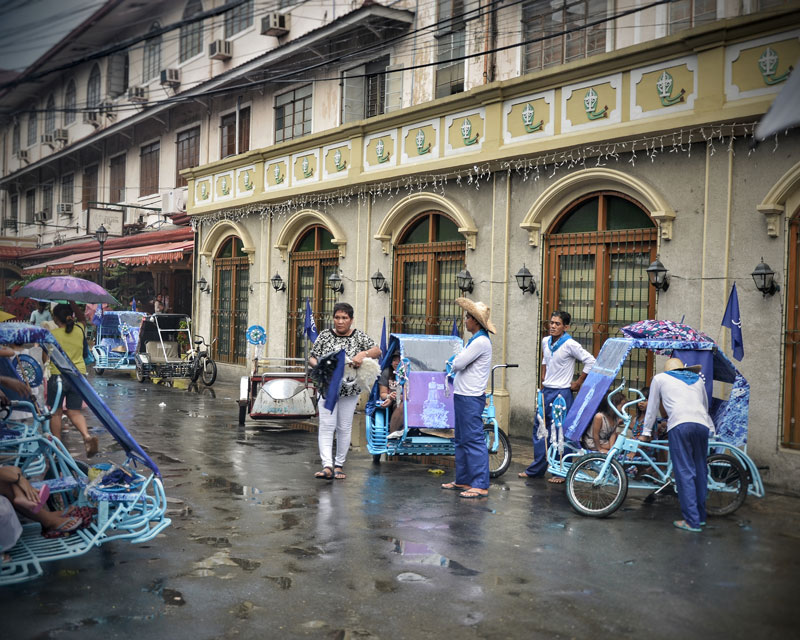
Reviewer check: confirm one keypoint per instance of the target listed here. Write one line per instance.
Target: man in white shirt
(41, 314)
(560, 352)
(682, 394)
(472, 368)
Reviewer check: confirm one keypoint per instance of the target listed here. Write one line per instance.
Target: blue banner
(733, 320)
(332, 392)
(309, 326)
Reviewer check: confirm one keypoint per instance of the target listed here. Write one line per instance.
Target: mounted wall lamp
(464, 281)
(203, 285)
(335, 283)
(657, 274)
(764, 278)
(525, 280)
(379, 282)
(277, 282)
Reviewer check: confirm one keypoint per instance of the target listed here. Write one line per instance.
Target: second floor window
(13, 209)
(89, 187)
(47, 201)
(117, 178)
(15, 138)
(191, 42)
(50, 115)
(227, 133)
(238, 19)
(370, 90)
(293, 114)
(451, 39)
(30, 205)
(685, 14)
(148, 169)
(93, 88)
(188, 152)
(69, 103)
(32, 127)
(152, 57)
(549, 20)
(68, 188)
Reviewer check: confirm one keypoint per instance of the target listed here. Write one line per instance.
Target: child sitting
(602, 433)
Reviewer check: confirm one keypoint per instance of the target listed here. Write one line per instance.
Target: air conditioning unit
(40, 217)
(170, 77)
(92, 118)
(48, 138)
(220, 50)
(22, 154)
(137, 94)
(61, 135)
(64, 209)
(173, 201)
(276, 24)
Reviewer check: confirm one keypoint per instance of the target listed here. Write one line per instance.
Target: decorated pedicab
(428, 414)
(115, 341)
(597, 483)
(125, 501)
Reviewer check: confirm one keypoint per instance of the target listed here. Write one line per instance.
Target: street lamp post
(101, 235)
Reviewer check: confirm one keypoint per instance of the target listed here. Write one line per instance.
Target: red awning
(150, 254)
(64, 263)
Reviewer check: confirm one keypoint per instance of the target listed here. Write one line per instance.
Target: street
(259, 548)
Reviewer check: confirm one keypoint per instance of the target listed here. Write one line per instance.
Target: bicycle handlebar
(501, 366)
(625, 406)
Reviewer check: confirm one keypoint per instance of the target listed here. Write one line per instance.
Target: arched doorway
(791, 341)
(230, 292)
(313, 258)
(428, 255)
(597, 253)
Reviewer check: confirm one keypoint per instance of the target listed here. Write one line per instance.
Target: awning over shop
(64, 263)
(150, 254)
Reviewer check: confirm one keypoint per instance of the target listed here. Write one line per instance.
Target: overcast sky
(28, 28)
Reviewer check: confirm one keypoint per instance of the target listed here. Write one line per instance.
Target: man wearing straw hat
(472, 368)
(680, 393)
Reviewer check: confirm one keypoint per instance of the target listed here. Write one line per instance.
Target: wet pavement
(260, 549)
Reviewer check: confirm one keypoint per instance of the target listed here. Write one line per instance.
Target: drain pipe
(236, 132)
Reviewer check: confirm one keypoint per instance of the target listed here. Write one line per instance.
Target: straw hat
(676, 364)
(479, 311)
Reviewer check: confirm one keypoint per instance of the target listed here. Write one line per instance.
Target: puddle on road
(303, 552)
(288, 521)
(191, 414)
(171, 597)
(252, 494)
(247, 565)
(283, 582)
(421, 553)
(94, 622)
(213, 541)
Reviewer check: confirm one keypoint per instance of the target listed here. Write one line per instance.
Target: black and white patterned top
(328, 342)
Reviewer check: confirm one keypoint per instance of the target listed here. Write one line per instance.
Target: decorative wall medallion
(307, 170)
(768, 64)
(225, 188)
(466, 130)
(379, 148)
(276, 172)
(664, 86)
(528, 114)
(337, 161)
(590, 106)
(420, 140)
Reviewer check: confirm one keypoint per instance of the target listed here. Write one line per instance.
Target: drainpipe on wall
(414, 50)
(236, 125)
(490, 40)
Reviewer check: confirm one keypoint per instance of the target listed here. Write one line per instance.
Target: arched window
(191, 41)
(230, 291)
(427, 259)
(69, 103)
(93, 88)
(50, 115)
(32, 126)
(152, 56)
(791, 341)
(311, 262)
(597, 252)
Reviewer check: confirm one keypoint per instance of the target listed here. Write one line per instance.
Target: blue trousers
(539, 465)
(688, 450)
(472, 454)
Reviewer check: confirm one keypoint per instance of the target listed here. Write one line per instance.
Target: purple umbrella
(66, 288)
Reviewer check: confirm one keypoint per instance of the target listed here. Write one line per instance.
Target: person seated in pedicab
(389, 388)
(602, 433)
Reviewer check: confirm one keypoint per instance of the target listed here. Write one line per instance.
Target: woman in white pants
(357, 345)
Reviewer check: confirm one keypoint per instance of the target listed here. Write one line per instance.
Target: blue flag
(383, 337)
(309, 326)
(454, 331)
(733, 321)
(332, 392)
(133, 304)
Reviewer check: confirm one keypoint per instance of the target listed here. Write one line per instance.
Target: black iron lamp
(203, 285)
(525, 280)
(379, 282)
(277, 282)
(101, 235)
(464, 281)
(764, 278)
(335, 283)
(657, 273)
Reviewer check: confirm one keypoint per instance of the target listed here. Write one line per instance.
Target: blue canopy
(111, 320)
(18, 333)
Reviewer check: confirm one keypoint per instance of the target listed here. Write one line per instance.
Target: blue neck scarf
(689, 377)
(554, 347)
(480, 333)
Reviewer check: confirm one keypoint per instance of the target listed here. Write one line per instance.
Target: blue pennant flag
(383, 337)
(454, 331)
(133, 304)
(332, 392)
(733, 320)
(309, 326)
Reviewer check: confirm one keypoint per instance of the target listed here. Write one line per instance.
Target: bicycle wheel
(596, 500)
(140, 374)
(196, 368)
(727, 485)
(99, 372)
(209, 371)
(499, 460)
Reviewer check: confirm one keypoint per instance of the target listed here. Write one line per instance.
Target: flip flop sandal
(339, 474)
(473, 494)
(325, 474)
(556, 480)
(452, 486)
(64, 529)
